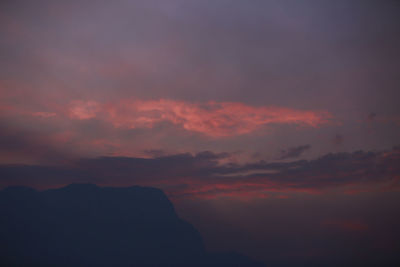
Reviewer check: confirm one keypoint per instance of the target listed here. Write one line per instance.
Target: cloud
(132, 127)
(208, 175)
(214, 119)
(83, 110)
(155, 153)
(294, 152)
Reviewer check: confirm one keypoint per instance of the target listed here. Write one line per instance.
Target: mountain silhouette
(83, 224)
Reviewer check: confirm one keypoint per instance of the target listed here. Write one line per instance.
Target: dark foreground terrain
(83, 224)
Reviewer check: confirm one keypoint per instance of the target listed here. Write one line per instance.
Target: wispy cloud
(214, 119)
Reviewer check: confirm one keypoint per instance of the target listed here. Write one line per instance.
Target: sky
(277, 121)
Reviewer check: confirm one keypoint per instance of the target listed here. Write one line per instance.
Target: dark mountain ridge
(83, 224)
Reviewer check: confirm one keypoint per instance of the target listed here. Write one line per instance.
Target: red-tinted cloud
(214, 119)
(83, 110)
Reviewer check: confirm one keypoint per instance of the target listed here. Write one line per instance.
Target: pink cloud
(214, 119)
(83, 110)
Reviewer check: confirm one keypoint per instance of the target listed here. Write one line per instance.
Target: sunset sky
(273, 126)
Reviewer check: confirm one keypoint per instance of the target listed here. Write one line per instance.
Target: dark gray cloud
(204, 175)
(294, 152)
(155, 153)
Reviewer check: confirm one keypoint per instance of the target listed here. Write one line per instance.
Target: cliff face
(85, 224)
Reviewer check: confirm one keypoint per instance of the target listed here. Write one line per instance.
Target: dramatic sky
(273, 125)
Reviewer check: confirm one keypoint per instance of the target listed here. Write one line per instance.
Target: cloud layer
(211, 175)
(214, 119)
